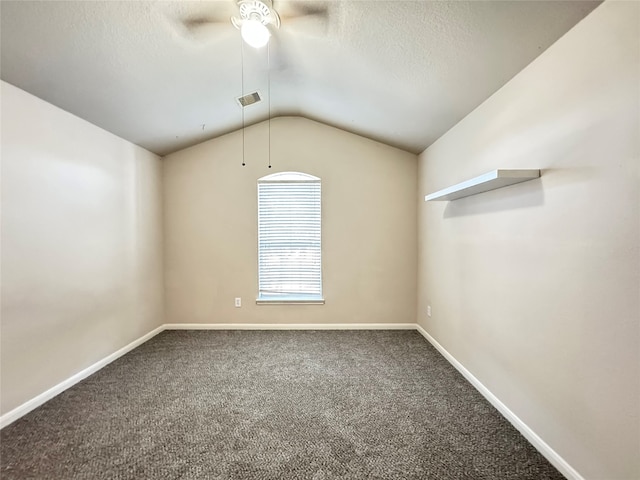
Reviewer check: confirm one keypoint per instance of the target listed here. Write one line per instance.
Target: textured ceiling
(401, 72)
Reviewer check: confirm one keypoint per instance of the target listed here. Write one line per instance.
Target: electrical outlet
(428, 310)
(238, 302)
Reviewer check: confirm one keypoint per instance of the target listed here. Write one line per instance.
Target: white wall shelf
(489, 181)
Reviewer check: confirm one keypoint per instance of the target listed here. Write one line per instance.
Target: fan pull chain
(242, 92)
(269, 94)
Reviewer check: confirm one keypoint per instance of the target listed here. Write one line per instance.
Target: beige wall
(369, 226)
(81, 245)
(535, 288)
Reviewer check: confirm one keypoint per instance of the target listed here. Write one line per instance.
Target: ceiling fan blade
(202, 21)
(306, 18)
(292, 10)
(205, 28)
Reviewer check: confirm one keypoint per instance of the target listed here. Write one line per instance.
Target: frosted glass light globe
(255, 33)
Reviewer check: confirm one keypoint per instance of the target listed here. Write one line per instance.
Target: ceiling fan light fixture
(255, 33)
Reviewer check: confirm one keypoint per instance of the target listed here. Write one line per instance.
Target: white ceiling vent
(249, 99)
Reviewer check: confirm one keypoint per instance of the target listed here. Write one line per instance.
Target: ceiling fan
(257, 20)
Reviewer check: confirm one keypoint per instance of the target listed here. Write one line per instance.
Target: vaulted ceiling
(158, 74)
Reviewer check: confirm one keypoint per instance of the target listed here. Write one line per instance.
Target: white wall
(535, 288)
(81, 245)
(369, 226)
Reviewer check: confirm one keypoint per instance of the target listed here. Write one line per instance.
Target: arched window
(289, 238)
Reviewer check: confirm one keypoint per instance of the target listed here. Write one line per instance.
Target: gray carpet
(272, 405)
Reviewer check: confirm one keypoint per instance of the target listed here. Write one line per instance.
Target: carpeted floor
(279, 405)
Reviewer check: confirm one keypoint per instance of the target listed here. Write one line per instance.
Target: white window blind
(289, 237)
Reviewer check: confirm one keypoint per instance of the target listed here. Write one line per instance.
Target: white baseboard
(549, 453)
(35, 402)
(289, 326)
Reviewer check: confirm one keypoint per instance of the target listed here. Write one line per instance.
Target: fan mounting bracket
(260, 10)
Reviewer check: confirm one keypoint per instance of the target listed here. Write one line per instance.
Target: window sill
(284, 301)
